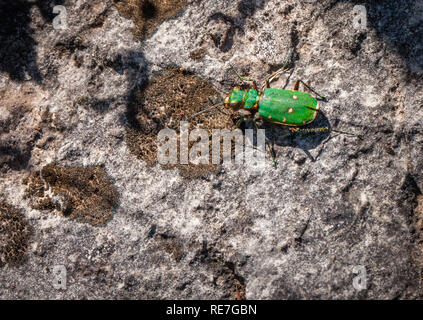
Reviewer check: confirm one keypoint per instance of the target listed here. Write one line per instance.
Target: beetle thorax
(242, 99)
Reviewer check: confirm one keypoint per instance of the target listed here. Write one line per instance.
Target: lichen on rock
(14, 234)
(86, 194)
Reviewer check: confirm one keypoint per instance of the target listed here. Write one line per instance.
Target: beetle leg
(279, 71)
(255, 124)
(297, 86)
(274, 76)
(239, 122)
(271, 145)
(273, 153)
(257, 116)
(271, 78)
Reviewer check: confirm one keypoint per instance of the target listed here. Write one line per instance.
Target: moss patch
(148, 14)
(14, 235)
(168, 99)
(85, 194)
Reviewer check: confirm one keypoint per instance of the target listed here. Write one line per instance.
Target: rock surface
(297, 231)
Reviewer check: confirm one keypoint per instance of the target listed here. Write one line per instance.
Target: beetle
(291, 108)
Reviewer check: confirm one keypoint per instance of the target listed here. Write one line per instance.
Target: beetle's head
(235, 99)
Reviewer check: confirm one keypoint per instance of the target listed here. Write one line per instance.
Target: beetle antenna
(240, 76)
(207, 109)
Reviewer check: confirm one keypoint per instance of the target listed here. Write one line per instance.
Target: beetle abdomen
(287, 107)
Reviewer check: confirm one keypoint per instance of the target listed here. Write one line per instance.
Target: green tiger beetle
(291, 108)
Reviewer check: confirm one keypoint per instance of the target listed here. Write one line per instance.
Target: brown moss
(168, 99)
(14, 235)
(86, 194)
(148, 14)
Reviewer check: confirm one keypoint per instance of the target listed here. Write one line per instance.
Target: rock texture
(73, 101)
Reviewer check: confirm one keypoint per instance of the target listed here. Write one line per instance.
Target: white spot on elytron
(294, 97)
(291, 110)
